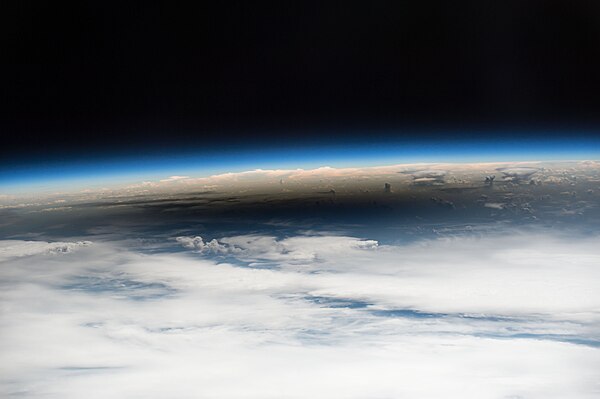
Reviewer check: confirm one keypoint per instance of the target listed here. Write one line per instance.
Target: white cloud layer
(13, 249)
(510, 316)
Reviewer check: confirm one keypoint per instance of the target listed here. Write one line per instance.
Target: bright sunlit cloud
(504, 316)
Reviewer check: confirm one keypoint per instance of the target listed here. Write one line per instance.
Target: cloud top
(503, 316)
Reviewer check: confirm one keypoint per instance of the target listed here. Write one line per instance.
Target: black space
(114, 76)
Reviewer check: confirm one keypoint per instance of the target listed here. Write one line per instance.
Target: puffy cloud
(198, 244)
(256, 248)
(510, 315)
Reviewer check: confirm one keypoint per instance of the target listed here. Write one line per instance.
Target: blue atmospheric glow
(110, 171)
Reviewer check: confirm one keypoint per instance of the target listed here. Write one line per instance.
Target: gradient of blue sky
(83, 171)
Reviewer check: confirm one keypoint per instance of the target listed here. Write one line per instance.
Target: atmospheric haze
(421, 280)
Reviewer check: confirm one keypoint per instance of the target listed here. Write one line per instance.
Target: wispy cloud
(174, 178)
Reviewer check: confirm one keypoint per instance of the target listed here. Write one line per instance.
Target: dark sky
(93, 77)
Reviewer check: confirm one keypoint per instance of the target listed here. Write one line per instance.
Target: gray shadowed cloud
(517, 173)
(427, 177)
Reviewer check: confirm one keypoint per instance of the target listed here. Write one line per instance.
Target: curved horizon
(154, 165)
